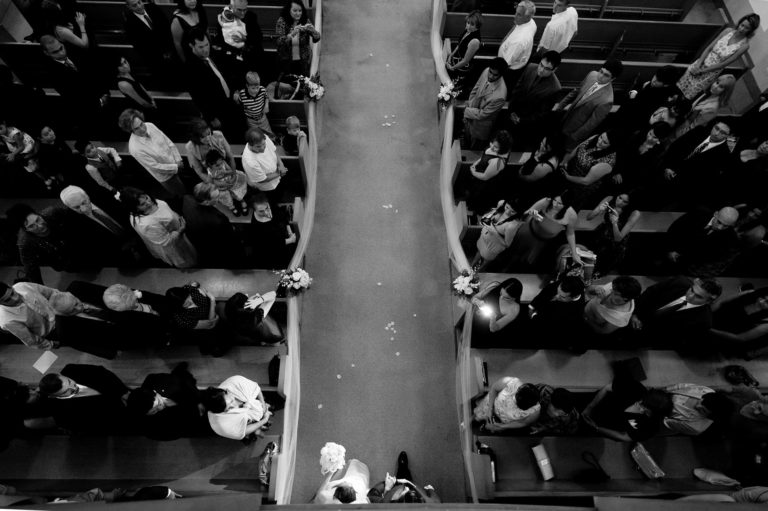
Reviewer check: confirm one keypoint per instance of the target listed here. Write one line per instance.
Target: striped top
(253, 106)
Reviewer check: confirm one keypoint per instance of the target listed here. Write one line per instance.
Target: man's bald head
(725, 218)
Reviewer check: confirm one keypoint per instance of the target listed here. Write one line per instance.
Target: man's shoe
(403, 472)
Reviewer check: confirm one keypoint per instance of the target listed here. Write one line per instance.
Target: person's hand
(613, 217)
(635, 323)
(290, 239)
(490, 427)
(153, 104)
(514, 118)
(282, 171)
(80, 19)
(173, 495)
(576, 258)
(589, 421)
(617, 179)
(103, 100)
(673, 256)
(215, 123)
(10, 157)
(669, 174)
(182, 225)
(236, 97)
(389, 482)
(603, 206)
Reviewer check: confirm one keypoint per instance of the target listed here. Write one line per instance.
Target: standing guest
(247, 41)
(73, 35)
(231, 184)
(102, 164)
(559, 415)
(55, 157)
(255, 104)
(639, 157)
(209, 229)
(153, 150)
(189, 15)
(274, 239)
(483, 184)
(517, 45)
(612, 235)
(459, 61)
(695, 408)
(556, 312)
(132, 89)
(589, 104)
(484, 104)
(560, 29)
(731, 44)
(202, 140)
(586, 167)
(294, 34)
(236, 408)
(261, 163)
(611, 305)
(643, 102)
(149, 32)
(708, 105)
(703, 242)
(532, 99)
(741, 322)
(160, 228)
(499, 228)
(509, 404)
(498, 316)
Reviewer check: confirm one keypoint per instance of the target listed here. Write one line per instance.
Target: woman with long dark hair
(612, 235)
(498, 313)
(188, 15)
(585, 167)
(295, 33)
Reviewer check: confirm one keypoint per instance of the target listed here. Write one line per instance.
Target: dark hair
(129, 196)
(4, 288)
(213, 157)
(213, 399)
(176, 297)
(562, 399)
(754, 20)
(50, 384)
(527, 396)
(504, 140)
(612, 137)
(658, 402)
(196, 129)
(238, 316)
(140, 401)
(668, 75)
(566, 198)
(184, 9)
(18, 213)
(661, 129)
(410, 497)
(628, 287)
(476, 17)
(572, 285)
(345, 494)
(254, 136)
(718, 404)
(614, 66)
(80, 145)
(553, 58)
(513, 287)
(198, 33)
(628, 209)
(498, 64)
(711, 286)
(285, 12)
(125, 121)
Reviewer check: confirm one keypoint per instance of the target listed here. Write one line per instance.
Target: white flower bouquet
(332, 458)
(447, 93)
(466, 284)
(294, 281)
(312, 87)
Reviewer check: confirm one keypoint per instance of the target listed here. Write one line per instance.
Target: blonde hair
(252, 78)
(293, 122)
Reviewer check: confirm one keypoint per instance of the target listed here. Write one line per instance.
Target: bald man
(703, 242)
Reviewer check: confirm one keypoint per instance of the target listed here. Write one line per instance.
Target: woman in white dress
(236, 408)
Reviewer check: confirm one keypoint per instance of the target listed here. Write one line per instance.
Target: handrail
(439, 9)
(464, 396)
(458, 257)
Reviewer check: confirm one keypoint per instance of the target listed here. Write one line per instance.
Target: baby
(293, 136)
(233, 30)
(255, 103)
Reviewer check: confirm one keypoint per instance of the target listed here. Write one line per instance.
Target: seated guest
(153, 150)
(231, 183)
(517, 45)
(484, 105)
(255, 103)
(15, 100)
(246, 316)
(274, 239)
(55, 157)
(708, 105)
(695, 408)
(202, 141)
(236, 408)
(102, 164)
(558, 412)
(483, 184)
(149, 32)
(626, 411)
(400, 489)
(132, 89)
(703, 242)
(612, 235)
(677, 312)
(586, 167)
(589, 104)
(209, 230)
(556, 312)
(531, 100)
(740, 323)
(168, 406)
(261, 163)
(193, 316)
(652, 95)
(86, 399)
(509, 404)
(160, 228)
(536, 176)
(459, 62)
(499, 227)
(497, 317)
(611, 305)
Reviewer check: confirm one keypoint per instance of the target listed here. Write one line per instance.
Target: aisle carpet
(377, 352)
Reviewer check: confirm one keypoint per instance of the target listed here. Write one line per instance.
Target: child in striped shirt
(255, 104)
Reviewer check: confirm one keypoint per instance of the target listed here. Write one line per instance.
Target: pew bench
(674, 10)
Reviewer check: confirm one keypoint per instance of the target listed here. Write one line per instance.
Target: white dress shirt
(560, 30)
(517, 46)
(156, 153)
(258, 165)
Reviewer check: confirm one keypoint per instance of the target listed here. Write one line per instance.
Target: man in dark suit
(703, 242)
(589, 105)
(210, 88)
(167, 406)
(557, 311)
(532, 98)
(86, 398)
(676, 312)
(150, 34)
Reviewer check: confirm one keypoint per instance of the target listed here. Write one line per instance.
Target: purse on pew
(645, 462)
(594, 474)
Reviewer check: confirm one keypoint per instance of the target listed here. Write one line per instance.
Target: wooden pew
(671, 10)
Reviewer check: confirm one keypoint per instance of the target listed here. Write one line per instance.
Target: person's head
(570, 288)
(720, 132)
(86, 148)
(560, 5)
(294, 12)
(757, 410)
(47, 135)
(624, 290)
(227, 14)
(214, 400)
(404, 494)
(215, 161)
(136, 6)
(292, 125)
(57, 385)
(19, 215)
(703, 291)
(724, 218)
(496, 69)
(138, 202)
(262, 212)
(748, 24)
(132, 121)
(664, 77)
(559, 204)
(143, 401)
(239, 8)
(120, 298)
(256, 140)
(122, 66)
(723, 88)
(198, 42)
(8, 296)
(524, 12)
(561, 403)
(187, 6)
(603, 140)
(622, 201)
(177, 297)
(657, 402)
(549, 62)
(36, 224)
(473, 21)
(345, 494)
(527, 396)
(659, 132)
(512, 288)
(3, 127)
(501, 142)
(716, 406)
(76, 199)
(199, 132)
(53, 48)
(610, 71)
(252, 83)
(206, 193)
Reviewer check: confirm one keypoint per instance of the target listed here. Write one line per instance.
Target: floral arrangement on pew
(447, 94)
(312, 87)
(294, 281)
(332, 458)
(466, 284)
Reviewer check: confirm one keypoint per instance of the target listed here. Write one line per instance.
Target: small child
(233, 31)
(292, 139)
(255, 104)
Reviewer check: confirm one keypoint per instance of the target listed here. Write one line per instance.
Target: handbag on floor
(645, 462)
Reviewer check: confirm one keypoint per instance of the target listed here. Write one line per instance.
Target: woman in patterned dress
(586, 166)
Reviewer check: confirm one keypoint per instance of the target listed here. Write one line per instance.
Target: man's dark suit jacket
(703, 253)
(178, 421)
(555, 321)
(532, 101)
(679, 329)
(102, 414)
(152, 44)
(80, 88)
(253, 51)
(206, 90)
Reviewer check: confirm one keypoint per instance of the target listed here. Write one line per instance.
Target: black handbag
(594, 474)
